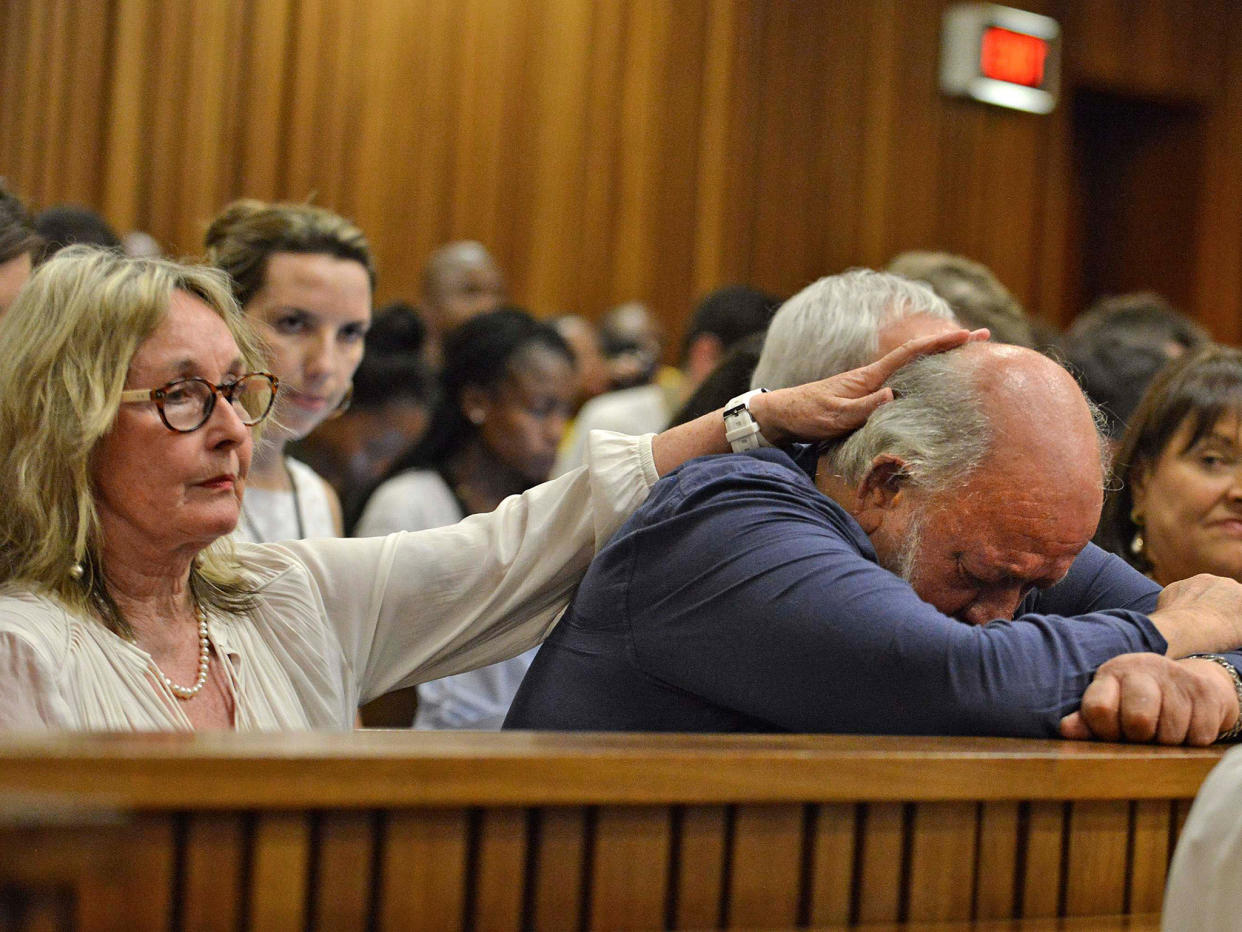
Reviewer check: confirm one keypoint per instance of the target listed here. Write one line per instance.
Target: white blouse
(340, 621)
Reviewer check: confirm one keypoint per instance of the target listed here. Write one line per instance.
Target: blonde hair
(246, 233)
(65, 348)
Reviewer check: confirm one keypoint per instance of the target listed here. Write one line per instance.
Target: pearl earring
(476, 416)
(76, 571)
(1137, 543)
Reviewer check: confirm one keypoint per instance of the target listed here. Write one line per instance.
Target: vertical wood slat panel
(52, 123)
(635, 249)
(478, 143)
(674, 161)
(605, 143)
(141, 891)
(11, 54)
(126, 134)
(262, 94)
(213, 885)
(426, 219)
(629, 872)
(380, 139)
(832, 864)
(206, 134)
(1096, 870)
(1041, 880)
(84, 128)
(31, 133)
(997, 861)
(700, 870)
(942, 861)
(720, 83)
(339, 103)
(561, 64)
(499, 868)
(556, 897)
(342, 894)
(280, 863)
(1150, 855)
(303, 143)
(586, 85)
(423, 869)
(880, 863)
(766, 872)
(164, 127)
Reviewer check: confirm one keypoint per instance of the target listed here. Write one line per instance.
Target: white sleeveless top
(268, 515)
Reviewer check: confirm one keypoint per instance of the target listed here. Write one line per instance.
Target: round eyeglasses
(186, 404)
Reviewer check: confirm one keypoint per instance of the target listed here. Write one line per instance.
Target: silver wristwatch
(741, 429)
(1236, 730)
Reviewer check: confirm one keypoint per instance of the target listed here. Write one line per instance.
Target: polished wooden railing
(411, 830)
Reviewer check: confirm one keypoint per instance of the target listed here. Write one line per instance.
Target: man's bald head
(460, 281)
(982, 478)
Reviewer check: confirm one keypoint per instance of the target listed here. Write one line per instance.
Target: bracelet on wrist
(1236, 730)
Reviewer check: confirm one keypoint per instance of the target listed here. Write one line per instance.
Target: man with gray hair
(845, 321)
(914, 578)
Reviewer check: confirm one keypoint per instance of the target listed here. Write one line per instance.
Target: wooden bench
(408, 830)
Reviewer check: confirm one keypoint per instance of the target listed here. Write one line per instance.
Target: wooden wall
(611, 149)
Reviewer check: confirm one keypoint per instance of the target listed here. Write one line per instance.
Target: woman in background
(506, 392)
(305, 277)
(1177, 510)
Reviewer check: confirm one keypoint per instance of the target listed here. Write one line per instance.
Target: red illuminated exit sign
(1000, 56)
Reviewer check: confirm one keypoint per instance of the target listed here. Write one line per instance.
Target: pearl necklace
(204, 661)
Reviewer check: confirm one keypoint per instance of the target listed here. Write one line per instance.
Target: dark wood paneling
(610, 150)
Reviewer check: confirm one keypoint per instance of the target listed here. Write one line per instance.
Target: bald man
(460, 281)
(909, 579)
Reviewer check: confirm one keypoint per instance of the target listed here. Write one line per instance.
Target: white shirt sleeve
(417, 606)
(1204, 890)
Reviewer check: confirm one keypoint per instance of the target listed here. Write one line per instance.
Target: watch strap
(741, 429)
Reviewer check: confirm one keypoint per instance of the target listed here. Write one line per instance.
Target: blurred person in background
(1175, 509)
(976, 295)
(720, 320)
(460, 280)
(632, 341)
(506, 391)
(65, 224)
(139, 244)
(1117, 346)
(305, 277)
(591, 368)
(20, 245)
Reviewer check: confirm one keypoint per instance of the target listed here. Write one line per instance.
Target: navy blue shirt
(740, 598)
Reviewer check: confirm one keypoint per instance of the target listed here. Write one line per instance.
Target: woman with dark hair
(1177, 507)
(506, 392)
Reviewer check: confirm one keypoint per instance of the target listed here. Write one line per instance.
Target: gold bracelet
(1236, 729)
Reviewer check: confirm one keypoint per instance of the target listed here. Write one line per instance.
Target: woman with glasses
(304, 276)
(131, 391)
(506, 392)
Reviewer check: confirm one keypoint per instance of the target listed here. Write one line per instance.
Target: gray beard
(902, 563)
